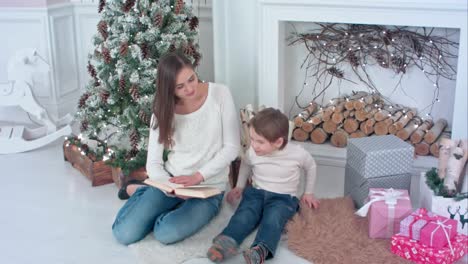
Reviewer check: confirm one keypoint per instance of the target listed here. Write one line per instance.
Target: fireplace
(275, 17)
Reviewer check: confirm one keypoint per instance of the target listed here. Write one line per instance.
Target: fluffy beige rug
(150, 251)
(333, 234)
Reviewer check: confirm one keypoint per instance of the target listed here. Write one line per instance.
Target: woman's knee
(125, 236)
(168, 234)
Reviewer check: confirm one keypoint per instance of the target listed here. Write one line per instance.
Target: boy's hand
(310, 200)
(190, 180)
(234, 195)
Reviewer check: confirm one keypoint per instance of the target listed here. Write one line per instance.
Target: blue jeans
(267, 210)
(170, 218)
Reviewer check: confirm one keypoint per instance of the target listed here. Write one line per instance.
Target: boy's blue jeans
(170, 218)
(267, 210)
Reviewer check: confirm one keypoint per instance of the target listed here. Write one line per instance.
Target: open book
(195, 191)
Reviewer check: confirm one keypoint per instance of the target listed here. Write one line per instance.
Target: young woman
(197, 123)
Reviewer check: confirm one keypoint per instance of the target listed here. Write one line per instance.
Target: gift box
(410, 249)
(378, 156)
(437, 234)
(446, 207)
(387, 207)
(412, 225)
(357, 186)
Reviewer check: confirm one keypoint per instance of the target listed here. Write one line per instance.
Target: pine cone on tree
(134, 138)
(144, 117)
(122, 85)
(134, 92)
(102, 3)
(179, 5)
(172, 48)
(193, 23)
(106, 55)
(104, 95)
(197, 57)
(158, 20)
(128, 5)
(123, 50)
(82, 101)
(144, 50)
(189, 49)
(132, 153)
(102, 28)
(84, 125)
(91, 70)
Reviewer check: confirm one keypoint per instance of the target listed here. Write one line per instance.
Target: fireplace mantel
(433, 13)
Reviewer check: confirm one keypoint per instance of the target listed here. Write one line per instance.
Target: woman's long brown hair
(165, 99)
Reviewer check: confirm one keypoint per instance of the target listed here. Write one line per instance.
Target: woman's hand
(189, 180)
(234, 195)
(310, 200)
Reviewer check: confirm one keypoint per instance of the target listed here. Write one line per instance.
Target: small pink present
(411, 225)
(438, 233)
(414, 251)
(387, 207)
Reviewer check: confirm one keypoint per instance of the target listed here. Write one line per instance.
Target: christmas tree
(115, 110)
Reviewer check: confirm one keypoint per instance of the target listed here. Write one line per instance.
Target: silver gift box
(378, 156)
(357, 186)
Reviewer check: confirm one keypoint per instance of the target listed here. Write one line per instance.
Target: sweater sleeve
(154, 160)
(230, 134)
(245, 171)
(310, 168)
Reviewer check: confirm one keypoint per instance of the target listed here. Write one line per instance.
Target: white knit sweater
(280, 171)
(206, 141)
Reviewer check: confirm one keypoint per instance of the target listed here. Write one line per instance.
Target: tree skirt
(150, 250)
(333, 234)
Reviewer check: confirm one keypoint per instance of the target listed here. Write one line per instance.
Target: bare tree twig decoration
(332, 46)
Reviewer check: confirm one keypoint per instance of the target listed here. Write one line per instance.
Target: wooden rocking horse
(18, 92)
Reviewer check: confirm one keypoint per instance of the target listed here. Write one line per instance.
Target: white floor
(51, 214)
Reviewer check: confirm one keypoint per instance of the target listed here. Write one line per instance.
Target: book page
(198, 192)
(166, 186)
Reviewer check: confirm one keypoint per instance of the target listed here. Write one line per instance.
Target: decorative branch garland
(332, 46)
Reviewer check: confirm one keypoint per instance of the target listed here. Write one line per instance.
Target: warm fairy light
(80, 136)
(83, 153)
(105, 157)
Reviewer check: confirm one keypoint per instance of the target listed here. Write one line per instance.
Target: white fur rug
(150, 251)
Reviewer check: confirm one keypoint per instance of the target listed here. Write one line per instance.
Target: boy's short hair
(271, 124)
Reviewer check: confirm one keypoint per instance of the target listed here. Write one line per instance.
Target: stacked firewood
(361, 115)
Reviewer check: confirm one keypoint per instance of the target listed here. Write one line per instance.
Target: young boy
(272, 200)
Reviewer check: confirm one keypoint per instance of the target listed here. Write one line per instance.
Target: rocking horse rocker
(18, 92)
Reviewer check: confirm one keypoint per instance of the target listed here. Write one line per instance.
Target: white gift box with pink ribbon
(386, 207)
(446, 207)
